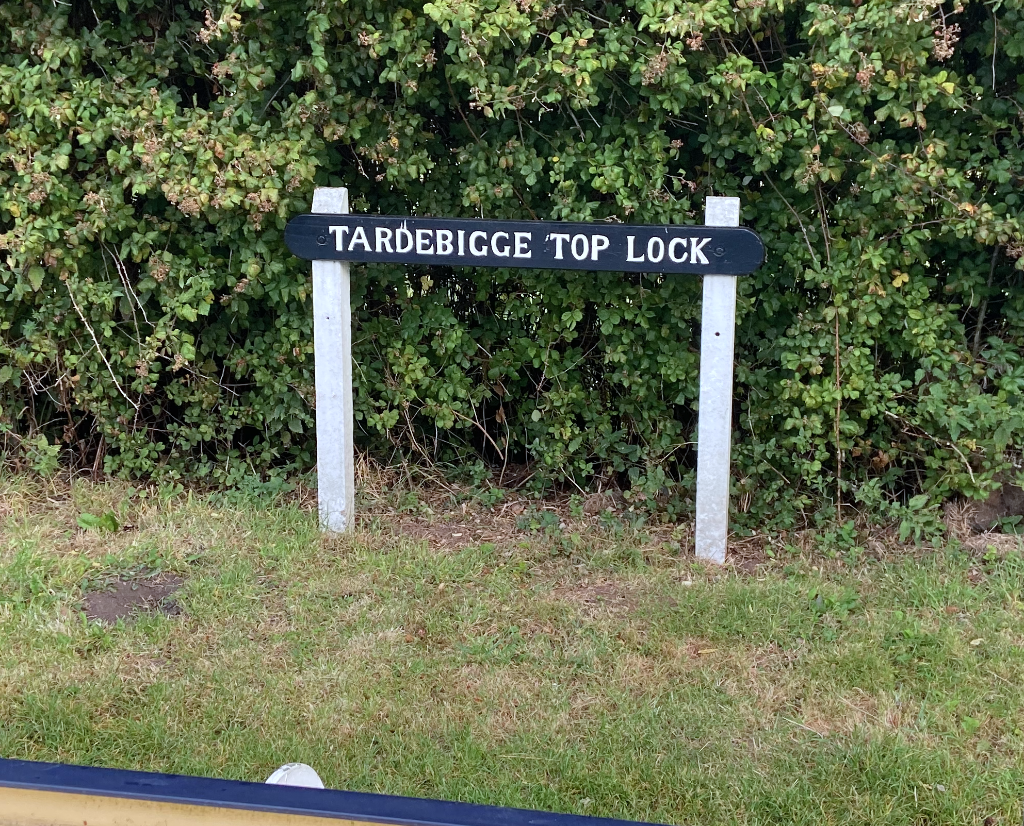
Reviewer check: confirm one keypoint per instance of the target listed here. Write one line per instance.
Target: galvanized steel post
(714, 412)
(332, 351)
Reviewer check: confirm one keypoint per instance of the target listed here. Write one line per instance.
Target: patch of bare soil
(603, 596)
(457, 529)
(445, 526)
(435, 515)
(972, 522)
(127, 598)
(748, 554)
(1005, 503)
(427, 513)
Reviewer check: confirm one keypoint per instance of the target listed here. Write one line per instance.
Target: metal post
(714, 422)
(332, 351)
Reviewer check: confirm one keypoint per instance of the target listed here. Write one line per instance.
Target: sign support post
(714, 410)
(332, 351)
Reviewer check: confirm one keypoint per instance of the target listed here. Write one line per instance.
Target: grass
(604, 675)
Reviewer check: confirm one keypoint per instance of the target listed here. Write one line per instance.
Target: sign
(533, 244)
(48, 794)
(719, 251)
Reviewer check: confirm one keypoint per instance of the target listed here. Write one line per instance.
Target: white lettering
(339, 237)
(403, 234)
(462, 242)
(580, 256)
(359, 237)
(444, 242)
(473, 248)
(672, 250)
(383, 236)
(558, 238)
(424, 245)
(522, 239)
(598, 243)
(653, 243)
(630, 254)
(697, 257)
(502, 252)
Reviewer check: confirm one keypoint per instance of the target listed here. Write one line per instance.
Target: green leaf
(107, 522)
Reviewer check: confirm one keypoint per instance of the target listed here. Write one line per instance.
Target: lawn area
(515, 655)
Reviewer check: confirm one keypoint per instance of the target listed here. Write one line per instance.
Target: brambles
(153, 320)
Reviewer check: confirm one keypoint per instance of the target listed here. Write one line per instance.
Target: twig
(271, 99)
(803, 229)
(984, 305)
(583, 136)
(806, 728)
(99, 349)
(508, 442)
(823, 215)
(936, 439)
(480, 427)
(999, 677)
(860, 710)
(122, 271)
(100, 450)
(995, 35)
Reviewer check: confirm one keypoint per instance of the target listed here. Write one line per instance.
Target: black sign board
(533, 244)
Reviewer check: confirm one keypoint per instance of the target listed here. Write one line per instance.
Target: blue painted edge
(235, 794)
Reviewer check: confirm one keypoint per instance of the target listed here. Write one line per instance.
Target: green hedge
(152, 319)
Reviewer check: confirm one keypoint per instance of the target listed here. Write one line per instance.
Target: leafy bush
(153, 152)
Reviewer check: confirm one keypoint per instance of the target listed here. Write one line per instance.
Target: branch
(923, 433)
(984, 305)
(99, 349)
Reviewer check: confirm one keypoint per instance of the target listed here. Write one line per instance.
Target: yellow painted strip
(30, 807)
